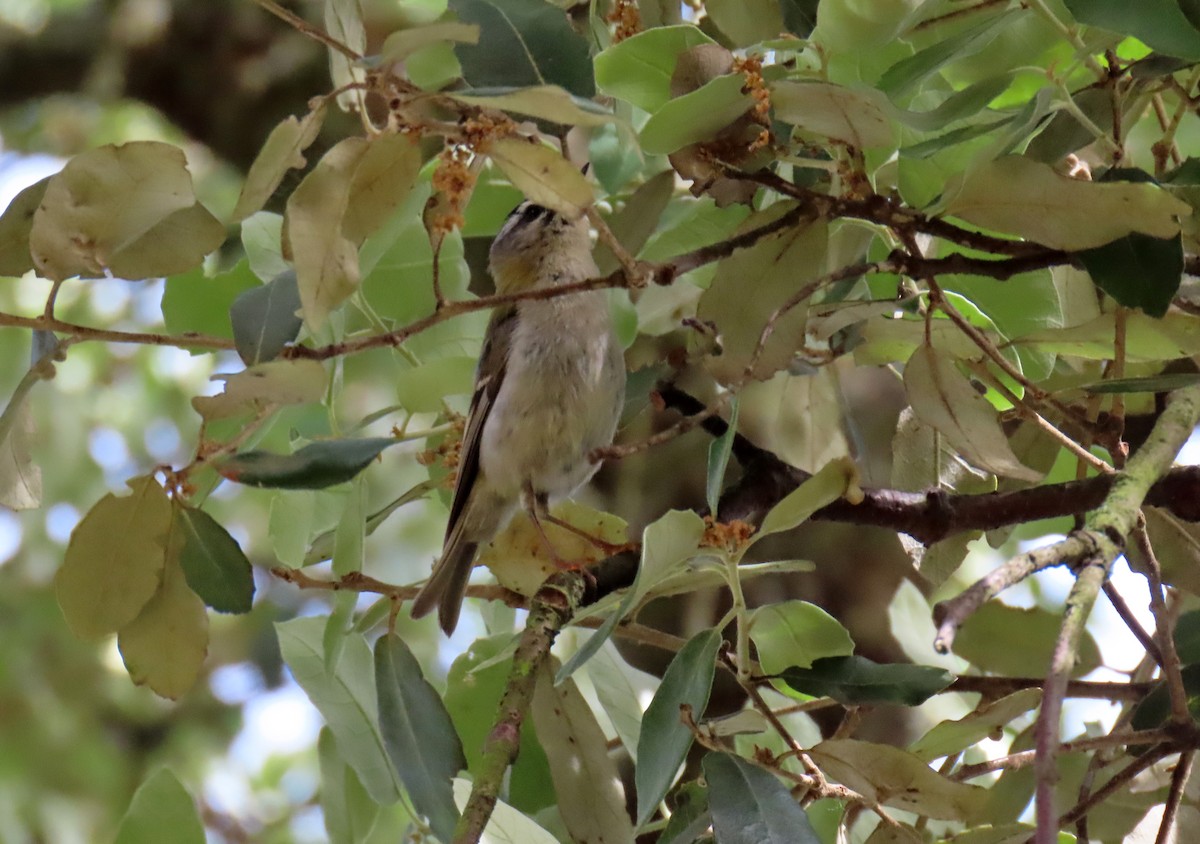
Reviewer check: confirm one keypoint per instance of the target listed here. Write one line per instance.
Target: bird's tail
(447, 585)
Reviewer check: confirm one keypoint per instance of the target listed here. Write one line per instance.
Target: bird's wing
(493, 362)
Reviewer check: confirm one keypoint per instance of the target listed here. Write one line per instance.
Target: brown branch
(1027, 757)
(1179, 778)
(926, 516)
(1119, 781)
(551, 608)
(1172, 667)
(997, 687)
(83, 333)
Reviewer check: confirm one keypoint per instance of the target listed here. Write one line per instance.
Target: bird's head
(537, 247)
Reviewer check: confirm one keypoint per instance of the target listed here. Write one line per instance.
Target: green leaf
(895, 777)
(315, 466)
(696, 116)
(422, 388)
(114, 562)
(545, 102)
(835, 479)
(350, 813)
(352, 190)
(944, 399)
(213, 562)
(750, 806)
(664, 740)
(344, 23)
(859, 117)
(633, 224)
(262, 239)
(418, 734)
(1064, 134)
(667, 544)
(164, 647)
(282, 151)
(1162, 383)
(900, 79)
(346, 698)
(474, 685)
(690, 816)
(1154, 710)
(1018, 641)
(746, 22)
(1030, 199)
(1161, 24)
(323, 545)
(857, 681)
(718, 458)
(639, 69)
(404, 42)
(161, 803)
(587, 784)
(799, 16)
(950, 737)
(779, 264)
(523, 43)
(15, 225)
(200, 303)
(1187, 637)
(265, 319)
(1137, 270)
(796, 633)
(614, 681)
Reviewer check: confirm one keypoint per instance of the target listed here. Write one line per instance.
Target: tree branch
(551, 608)
(1106, 528)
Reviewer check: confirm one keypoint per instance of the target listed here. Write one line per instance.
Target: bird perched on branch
(548, 390)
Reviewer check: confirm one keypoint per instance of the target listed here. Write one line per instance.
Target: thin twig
(1172, 666)
(1119, 781)
(83, 333)
(635, 272)
(304, 27)
(950, 614)
(1027, 757)
(1179, 778)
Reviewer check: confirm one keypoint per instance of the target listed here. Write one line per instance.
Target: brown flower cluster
(628, 19)
(732, 536)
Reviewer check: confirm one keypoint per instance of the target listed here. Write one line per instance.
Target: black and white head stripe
(524, 215)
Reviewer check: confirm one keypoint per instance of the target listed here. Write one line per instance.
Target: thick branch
(926, 516)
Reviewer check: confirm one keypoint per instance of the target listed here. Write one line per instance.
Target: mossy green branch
(1105, 529)
(550, 609)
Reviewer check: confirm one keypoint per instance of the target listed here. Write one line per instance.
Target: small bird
(549, 389)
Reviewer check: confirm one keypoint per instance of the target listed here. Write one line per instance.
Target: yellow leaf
(518, 557)
(164, 647)
(102, 201)
(544, 176)
(282, 151)
(276, 382)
